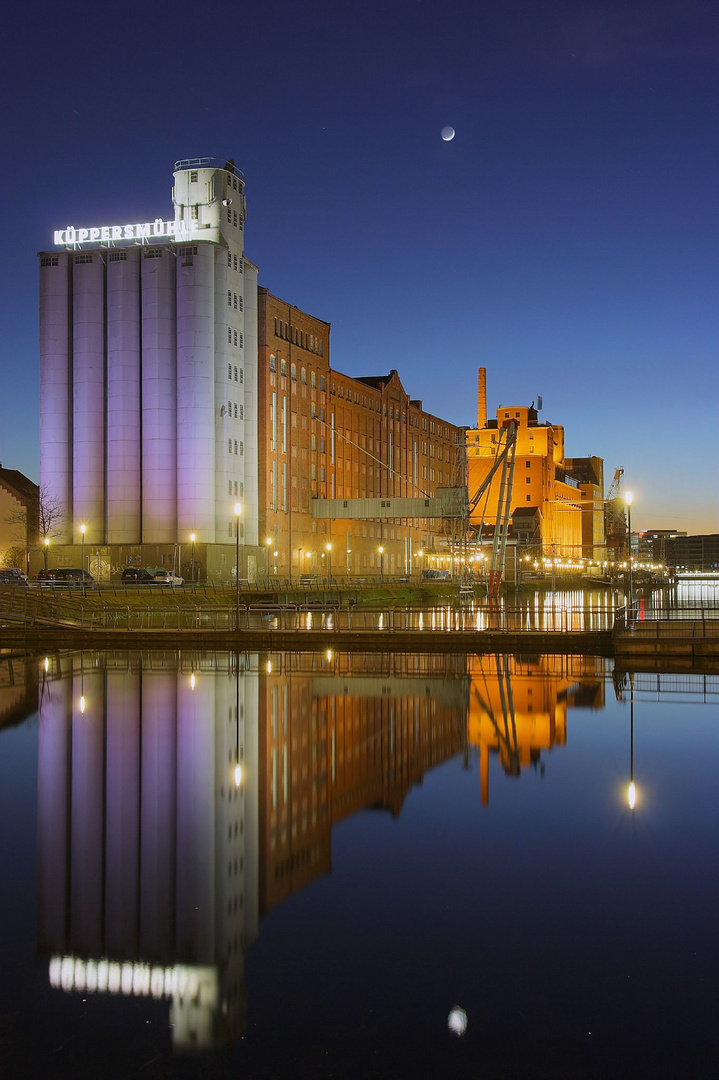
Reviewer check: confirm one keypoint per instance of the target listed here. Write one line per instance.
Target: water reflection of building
(147, 850)
(340, 736)
(518, 707)
(18, 688)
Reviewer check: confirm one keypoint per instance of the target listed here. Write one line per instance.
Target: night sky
(566, 239)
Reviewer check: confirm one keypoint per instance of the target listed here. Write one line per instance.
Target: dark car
(136, 575)
(45, 577)
(11, 576)
(73, 576)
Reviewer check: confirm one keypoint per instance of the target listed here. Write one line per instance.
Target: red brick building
(330, 436)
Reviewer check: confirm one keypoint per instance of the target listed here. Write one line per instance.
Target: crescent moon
(447, 133)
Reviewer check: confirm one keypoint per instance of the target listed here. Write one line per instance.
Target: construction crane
(504, 457)
(615, 525)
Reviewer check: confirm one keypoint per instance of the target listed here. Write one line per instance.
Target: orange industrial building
(557, 503)
(331, 436)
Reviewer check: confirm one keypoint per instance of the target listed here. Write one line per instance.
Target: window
(529, 498)
(235, 374)
(313, 379)
(242, 449)
(229, 215)
(293, 372)
(229, 446)
(234, 298)
(229, 259)
(235, 445)
(114, 256)
(82, 259)
(283, 367)
(242, 412)
(323, 384)
(242, 304)
(242, 376)
(229, 371)
(235, 261)
(235, 410)
(229, 335)
(303, 376)
(229, 297)
(229, 487)
(240, 266)
(235, 337)
(528, 480)
(193, 213)
(234, 218)
(52, 260)
(273, 362)
(242, 340)
(193, 177)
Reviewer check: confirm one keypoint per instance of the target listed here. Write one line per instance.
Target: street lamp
(268, 541)
(629, 499)
(381, 565)
(238, 511)
(192, 557)
(82, 536)
(47, 545)
(329, 563)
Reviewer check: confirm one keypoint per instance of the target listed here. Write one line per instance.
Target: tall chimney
(482, 398)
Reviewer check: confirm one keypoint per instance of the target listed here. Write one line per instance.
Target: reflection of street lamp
(629, 499)
(238, 511)
(192, 557)
(47, 545)
(329, 563)
(631, 790)
(82, 535)
(268, 542)
(381, 565)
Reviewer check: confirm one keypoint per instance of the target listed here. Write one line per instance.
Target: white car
(166, 577)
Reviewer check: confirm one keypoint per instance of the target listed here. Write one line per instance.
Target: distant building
(557, 503)
(678, 551)
(148, 382)
(330, 436)
(18, 518)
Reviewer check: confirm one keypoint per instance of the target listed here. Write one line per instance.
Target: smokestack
(482, 398)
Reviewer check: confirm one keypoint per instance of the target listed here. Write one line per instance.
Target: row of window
(232, 218)
(233, 442)
(235, 262)
(293, 372)
(237, 409)
(233, 371)
(235, 301)
(235, 337)
(298, 337)
(240, 491)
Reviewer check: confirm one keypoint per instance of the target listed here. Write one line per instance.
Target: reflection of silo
(158, 811)
(122, 811)
(159, 397)
(88, 396)
(55, 391)
(123, 397)
(195, 395)
(86, 814)
(53, 800)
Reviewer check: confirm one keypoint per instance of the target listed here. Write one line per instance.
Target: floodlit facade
(332, 436)
(557, 506)
(148, 383)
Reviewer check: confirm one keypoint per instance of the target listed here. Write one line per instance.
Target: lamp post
(381, 565)
(82, 563)
(45, 552)
(238, 511)
(629, 499)
(192, 557)
(329, 563)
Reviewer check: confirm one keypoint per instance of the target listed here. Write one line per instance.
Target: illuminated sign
(146, 232)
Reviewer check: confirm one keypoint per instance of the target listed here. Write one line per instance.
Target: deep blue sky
(566, 239)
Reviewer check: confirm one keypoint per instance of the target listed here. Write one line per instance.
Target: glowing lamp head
(192, 538)
(238, 774)
(628, 498)
(238, 509)
(268, 541)
(82, 529)
(47, 541)
(192, 681)
(632, 795)
(381, 551)
(82, 703)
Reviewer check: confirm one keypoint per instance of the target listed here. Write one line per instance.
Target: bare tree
(38, 522)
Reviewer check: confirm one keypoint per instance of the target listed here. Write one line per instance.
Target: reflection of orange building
(331, 745)
(517, 711)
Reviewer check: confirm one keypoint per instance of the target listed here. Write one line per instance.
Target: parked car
(73, 576)
(137, 575)
(167, 577)
(11, 576)
(45, 577)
